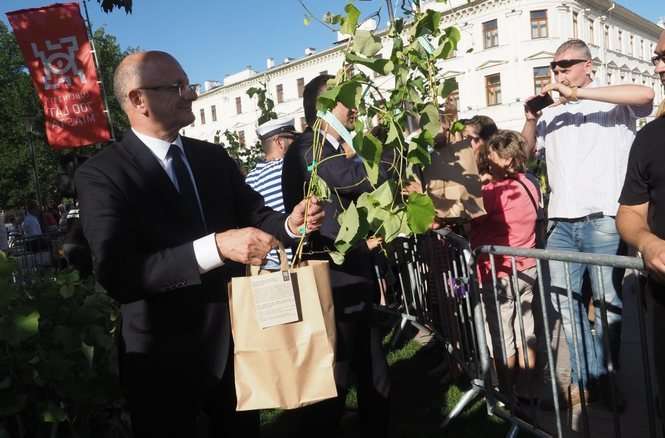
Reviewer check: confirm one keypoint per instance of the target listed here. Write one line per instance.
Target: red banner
(58, 54)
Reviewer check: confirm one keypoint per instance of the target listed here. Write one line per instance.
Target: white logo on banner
(59, 61)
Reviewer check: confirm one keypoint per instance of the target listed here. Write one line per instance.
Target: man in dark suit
(359, 355)
(168, 219)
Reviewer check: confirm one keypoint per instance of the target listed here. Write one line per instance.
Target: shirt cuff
(206, 253)
(288, 231)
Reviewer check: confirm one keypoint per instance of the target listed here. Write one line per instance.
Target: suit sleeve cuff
(206, 254)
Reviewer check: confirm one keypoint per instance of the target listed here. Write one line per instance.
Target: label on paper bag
(275, 299)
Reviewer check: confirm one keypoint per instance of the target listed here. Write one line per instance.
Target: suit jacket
(348, 178)
(141, 240)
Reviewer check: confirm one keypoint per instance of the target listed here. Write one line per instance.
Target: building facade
(502, 59)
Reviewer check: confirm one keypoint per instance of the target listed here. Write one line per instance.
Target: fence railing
(441, 287)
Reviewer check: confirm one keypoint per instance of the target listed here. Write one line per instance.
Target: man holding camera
(586, 136)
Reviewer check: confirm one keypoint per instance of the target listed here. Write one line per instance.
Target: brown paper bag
(289, 365)
(453, 183)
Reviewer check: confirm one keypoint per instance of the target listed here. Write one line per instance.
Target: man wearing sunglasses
(169, 219)
(641, 218)
(586, 136)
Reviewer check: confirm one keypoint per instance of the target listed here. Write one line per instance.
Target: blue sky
(212, 38)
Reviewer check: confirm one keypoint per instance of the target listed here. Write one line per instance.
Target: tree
(108, 5)
(19, 106)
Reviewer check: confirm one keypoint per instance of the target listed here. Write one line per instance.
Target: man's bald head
(136, 70)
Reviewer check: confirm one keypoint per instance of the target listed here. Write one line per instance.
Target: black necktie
(187, 192)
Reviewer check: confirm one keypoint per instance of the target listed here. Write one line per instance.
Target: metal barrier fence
(438, 287)
(36, 254)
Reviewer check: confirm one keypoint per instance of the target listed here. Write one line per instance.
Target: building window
(301, 86)
(631, 46)
(541, 77)
(280, 93)
(213, 113)
(491, 34)
(609, 78)
(620, 40)
(203, 116)
(241, 137)
(641, 49)
(539, 24)
(493, 89)
(592, 36)
(238, 105)
(606, 37)
(574, 24)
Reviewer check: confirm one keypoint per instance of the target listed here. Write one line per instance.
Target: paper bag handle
(283, 262)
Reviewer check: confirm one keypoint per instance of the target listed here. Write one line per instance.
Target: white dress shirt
(205, 248)
(586, 147)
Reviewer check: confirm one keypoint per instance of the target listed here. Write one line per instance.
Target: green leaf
(350, 21)
(337, 257)
(429, 120)
(350, 94)
(371, 151)
(396, 225)
(328, 99)
(428, 24)
(420, 211)
(54, 413)
(307, 20)
(379, 65)
(365, 43)
(393, 132)
(67, 290)
(457, 127)
(353, 227)
(453, 34)
(417, 153)
(385, 193)
(449, 85)
(321, 189)
(26, 325)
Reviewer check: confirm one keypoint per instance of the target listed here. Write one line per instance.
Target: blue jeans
(592, 236)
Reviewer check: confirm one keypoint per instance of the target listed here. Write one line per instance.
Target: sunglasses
(566, 63)
(655, 59)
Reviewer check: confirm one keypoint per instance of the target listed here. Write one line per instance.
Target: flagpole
(99, 73)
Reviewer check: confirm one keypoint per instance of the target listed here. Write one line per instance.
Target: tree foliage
(19, 106)
(108, 5)
(414, 51)
(57, 354)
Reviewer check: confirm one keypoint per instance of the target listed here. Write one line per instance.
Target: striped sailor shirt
(266, 179)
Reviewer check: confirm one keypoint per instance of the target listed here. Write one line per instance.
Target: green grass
(419, 403)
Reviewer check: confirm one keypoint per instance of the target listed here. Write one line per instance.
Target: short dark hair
(484, 125)
(510, 145)
(309, 96)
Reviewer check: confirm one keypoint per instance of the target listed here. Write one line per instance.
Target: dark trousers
(169, 394)
(360, 361)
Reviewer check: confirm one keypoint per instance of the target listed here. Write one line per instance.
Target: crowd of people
(169, 220)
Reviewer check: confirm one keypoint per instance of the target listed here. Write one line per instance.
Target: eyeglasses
(566, 63)
(656, 58)
(181, 88)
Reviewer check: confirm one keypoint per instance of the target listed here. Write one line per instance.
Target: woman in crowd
(511, 201)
